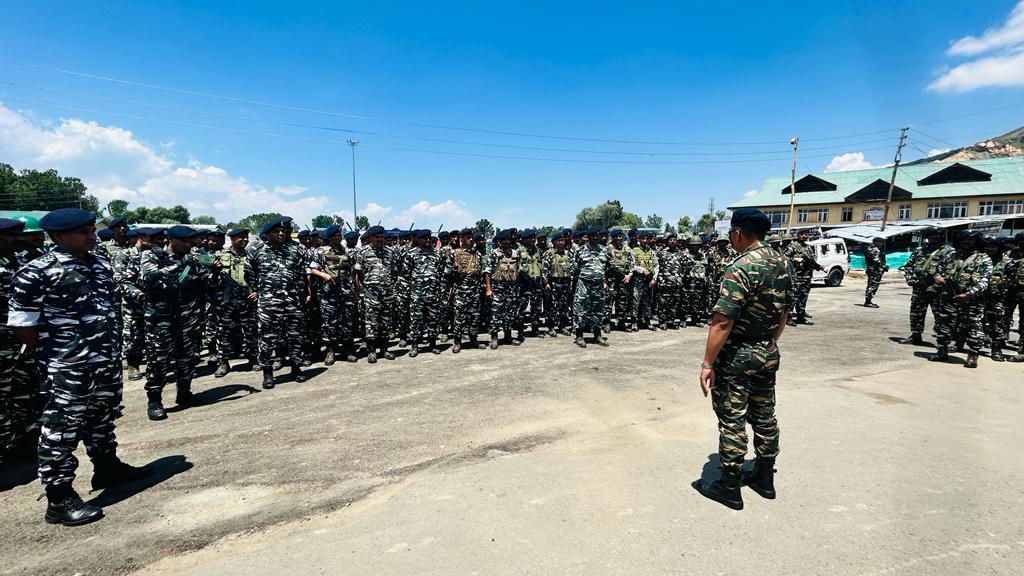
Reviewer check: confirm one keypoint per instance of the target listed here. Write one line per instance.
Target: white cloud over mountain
(996, 58)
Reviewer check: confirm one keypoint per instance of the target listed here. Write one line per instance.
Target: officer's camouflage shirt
(802, 258)
(590, 264)
(557, 265)
(756, 290)
(375, 266)
(337, 262)
(622, 260)
(127, 276)
(671, 267)
(873, 258)
(423, 266)
(232, 274)
(73, 305)
(8, 266)
(503, 265)
(174, 285)
(278, 275)
(697, 266)
(967, 273)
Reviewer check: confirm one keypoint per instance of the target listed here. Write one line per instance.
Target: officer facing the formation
(963, 277)
(742, 357)
(590, 269)
(236, 310)
(277, 271)
(63, 308)
(919, 271)
(874, 261)
(802, 257)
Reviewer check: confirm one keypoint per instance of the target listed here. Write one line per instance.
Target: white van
(833, 256)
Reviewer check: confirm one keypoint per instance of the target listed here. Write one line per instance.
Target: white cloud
(937, 151)
(848, 161)
(750, 193)
(1003, 66)
(293, 190)
(448, 213)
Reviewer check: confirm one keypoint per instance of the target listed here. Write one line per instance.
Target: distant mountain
(1009, 144)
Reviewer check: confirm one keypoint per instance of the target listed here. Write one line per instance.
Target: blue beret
(330, 231)
(463, 232)
(105, 234)
(528, 234)
(302, 234)
(750, 219)
(117, 222)
(9, 225)
(617, 232)
(422, 233)
(181, 231)
(351, 234)
(274, 222)
(446, 233)
(632, 231)
(373, 231)
(578, 233)
(238, 232)
(64, 219)
(670, 235)
(132, 233)
(478, 235)
(404, 234)
(142, 231)
(504, 234)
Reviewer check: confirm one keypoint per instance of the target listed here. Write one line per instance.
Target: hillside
(1009, 144)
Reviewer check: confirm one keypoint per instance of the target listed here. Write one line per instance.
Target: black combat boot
(914, 338)
(941, 354)
(329, 356)
(65, 506)
(296, 374)
(456, 345)
(580, 341)
(997, 353)
(184, 397)
(349, 353)
(278, 364)
(110, 470)
(474, 343)
(791, 321)
(960, 346)
(222, 370)
(155, 408)
(725, 490)
(384, 352)
(414, 349)
(761, 478)
(433, 347)
(972, 360)
(494, 341)
(804, 320)
(869, 304)
(599, 339)
(268, 378)
(134, 373)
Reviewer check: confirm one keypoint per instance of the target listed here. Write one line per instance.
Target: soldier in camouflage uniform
(335, 295)
(919, 272)
(801, 256)
(645, 276)
(447, 243)
(214, 244)
(18, 391)
(62, 308)
(874, 262)
(173, 281)
(590, 269)
(501, 285)
(742, 358)
(465, 270)
(1014, 273)
(620, 282)
(277, 270)
(531, 289)
(125, 264)
(695, 272)
(374, 266)
(558, 278)
(963, 277)
(995, 296)
(425, 267)
(670, 284)
(236, 312)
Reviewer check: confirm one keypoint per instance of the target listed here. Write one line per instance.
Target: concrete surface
(549, 459)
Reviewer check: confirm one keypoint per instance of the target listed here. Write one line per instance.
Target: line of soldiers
(972, 286)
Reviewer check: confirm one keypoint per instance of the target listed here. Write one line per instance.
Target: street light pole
(353, 143)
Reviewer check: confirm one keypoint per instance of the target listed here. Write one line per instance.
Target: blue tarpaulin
(893, 259)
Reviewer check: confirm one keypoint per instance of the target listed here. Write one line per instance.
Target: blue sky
(738, 80)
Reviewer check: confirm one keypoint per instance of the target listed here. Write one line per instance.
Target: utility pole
(353, 143)
(892, 180)
(794, 142)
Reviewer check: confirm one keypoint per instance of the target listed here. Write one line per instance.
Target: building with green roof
(936, 190)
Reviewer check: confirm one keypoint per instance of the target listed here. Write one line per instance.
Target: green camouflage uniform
(589, 267)
(965, 274)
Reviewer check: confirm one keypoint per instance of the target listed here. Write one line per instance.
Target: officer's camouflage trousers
(19, 393)
(801, 290)
(447, 296)
(82, 405)
(560, 296)
(531, 297)
(171, 349)
(995, 311)
(236, 325)
(377, 303)
(588, 305)
(919, 301)
(336, 310)
(210, 326)
(466, 308)
(279, 324)
(874, 281)
(956, 322)
(400, 312)
(694, 300)
(643, 294)
(744, 391)
(424, 312)
(670, 298)
(504, 306)
(619, 303)
(312, 322)
(133, 333)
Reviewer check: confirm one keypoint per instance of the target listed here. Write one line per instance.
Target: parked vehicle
(834, 257)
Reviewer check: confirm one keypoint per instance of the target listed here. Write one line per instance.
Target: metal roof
(1007, 177)
(865, 231)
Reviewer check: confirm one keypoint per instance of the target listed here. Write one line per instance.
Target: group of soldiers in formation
(972, 286)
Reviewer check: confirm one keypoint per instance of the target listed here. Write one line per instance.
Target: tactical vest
(997, 282)
(699, 269)
(644, 258)
(507, 268)
(619, 259)
(234, 266)
(467, 262)
(561, 265)
(336, 268)
(965, 273)
(532, 265)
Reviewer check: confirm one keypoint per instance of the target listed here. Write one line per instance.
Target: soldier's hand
(707, 380)
(627, 278)
(489, 293)
(961, 298)
(253, 296)
(140, 297)
(939, 280)
(653, 282)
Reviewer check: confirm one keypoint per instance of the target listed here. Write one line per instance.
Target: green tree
(669, 229)
(706, 223)
(47, 190)
(117, 208)
(254, 222)
(485, 227)
(606, 215)
(630, 220)
(685, 225)
(160, 215)
(362, 222)
(654, 221)
(323, 221)
(209, 220)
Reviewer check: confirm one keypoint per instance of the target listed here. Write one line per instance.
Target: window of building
(778, 217)
(996, 207)
(822, 214)
(801, 214)
(904, 212)
(847, 214)
(947, 210)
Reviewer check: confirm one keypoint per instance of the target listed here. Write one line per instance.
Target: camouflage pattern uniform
(995, 307)
(126, 281)
(236, 312)
(670, 287)
(874, 260)
(337, 307)
(278, 275)
(696, 286)
(558, 277)
(425, 268)
(622, 262)
(376, 290)
(174, 286)
(18, 392)
(643, 292)
(965, 274)
(920, 270)
(73, 305)
(466, 271)
(801, 256)
(531, 290)
(589, 267)
(399, 322)
(503, 269)
(756, 291)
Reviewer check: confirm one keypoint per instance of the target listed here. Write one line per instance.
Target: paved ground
(549, 459)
